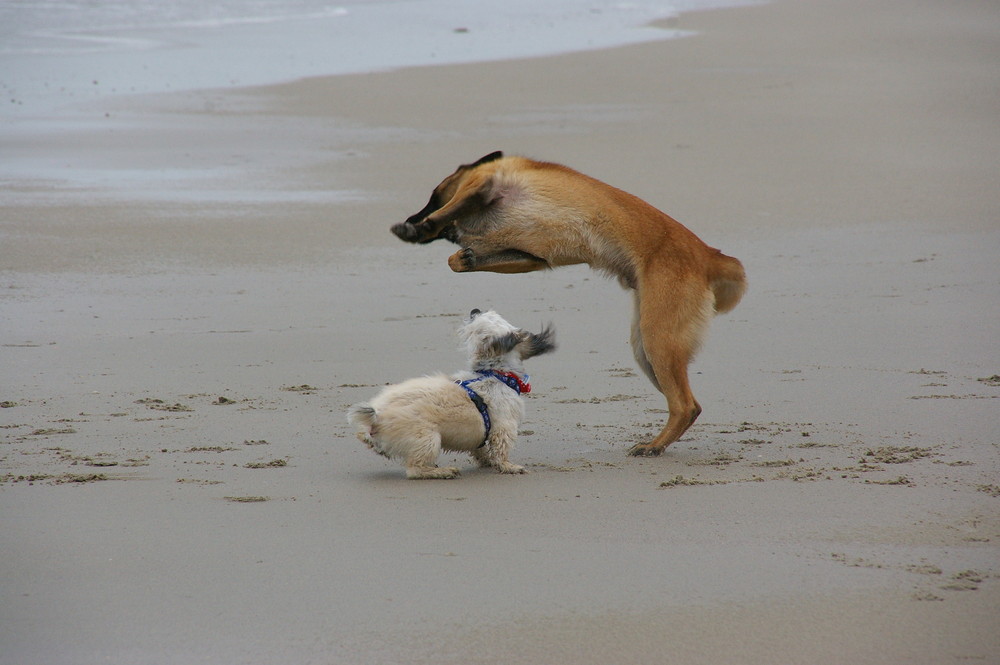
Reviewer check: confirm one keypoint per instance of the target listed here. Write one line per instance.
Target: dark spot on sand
(273, 464)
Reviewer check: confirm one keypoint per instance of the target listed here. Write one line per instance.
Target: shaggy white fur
(415, 420)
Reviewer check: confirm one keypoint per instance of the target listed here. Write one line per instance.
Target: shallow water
(54, 54)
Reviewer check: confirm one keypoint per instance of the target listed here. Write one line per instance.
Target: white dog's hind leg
(495, 453)
(421, 462)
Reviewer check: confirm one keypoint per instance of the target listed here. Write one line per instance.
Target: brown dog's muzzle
(407, 231)
(417, 229)
(416, 232)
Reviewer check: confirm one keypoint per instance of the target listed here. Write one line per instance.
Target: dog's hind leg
(638, 348)
(421, 463)
(665, 337)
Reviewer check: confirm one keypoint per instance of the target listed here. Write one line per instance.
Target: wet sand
(196, 286)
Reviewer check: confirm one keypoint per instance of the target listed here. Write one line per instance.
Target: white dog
(477, 411)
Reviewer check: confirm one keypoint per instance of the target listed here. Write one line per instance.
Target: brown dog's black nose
(405, 231)
(474, 313)
(420, 232)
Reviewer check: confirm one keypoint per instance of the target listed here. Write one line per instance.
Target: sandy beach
(184, 327)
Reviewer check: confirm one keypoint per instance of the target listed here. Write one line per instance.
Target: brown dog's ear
(492, 157)
(472, 196)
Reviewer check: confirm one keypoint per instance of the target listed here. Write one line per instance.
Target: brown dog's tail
(728, 281)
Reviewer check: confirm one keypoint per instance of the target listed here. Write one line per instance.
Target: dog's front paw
(645, 450)
(507, 467)
(464, 260)
(432, 472)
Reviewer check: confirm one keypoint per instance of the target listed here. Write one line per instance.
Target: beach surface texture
(196, 284)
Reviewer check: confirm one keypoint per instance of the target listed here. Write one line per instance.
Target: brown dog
(512, 214)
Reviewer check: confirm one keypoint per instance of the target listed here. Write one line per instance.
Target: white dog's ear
(535, 344)
(497, 347)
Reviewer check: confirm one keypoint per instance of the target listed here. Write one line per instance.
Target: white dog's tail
(362, 416)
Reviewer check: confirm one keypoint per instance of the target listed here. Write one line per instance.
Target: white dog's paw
(507, 467)
(423, 473)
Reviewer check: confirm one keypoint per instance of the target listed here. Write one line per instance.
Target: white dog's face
(482, 328)
(491, 341)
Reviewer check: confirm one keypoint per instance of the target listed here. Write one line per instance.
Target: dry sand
(183, 332)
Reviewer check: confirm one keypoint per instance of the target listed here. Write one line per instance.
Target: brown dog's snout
(405, 231)
(417, 229)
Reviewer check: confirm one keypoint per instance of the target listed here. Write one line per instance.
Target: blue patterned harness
(510, 379)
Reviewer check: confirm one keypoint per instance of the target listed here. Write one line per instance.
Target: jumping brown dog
(513, 214)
